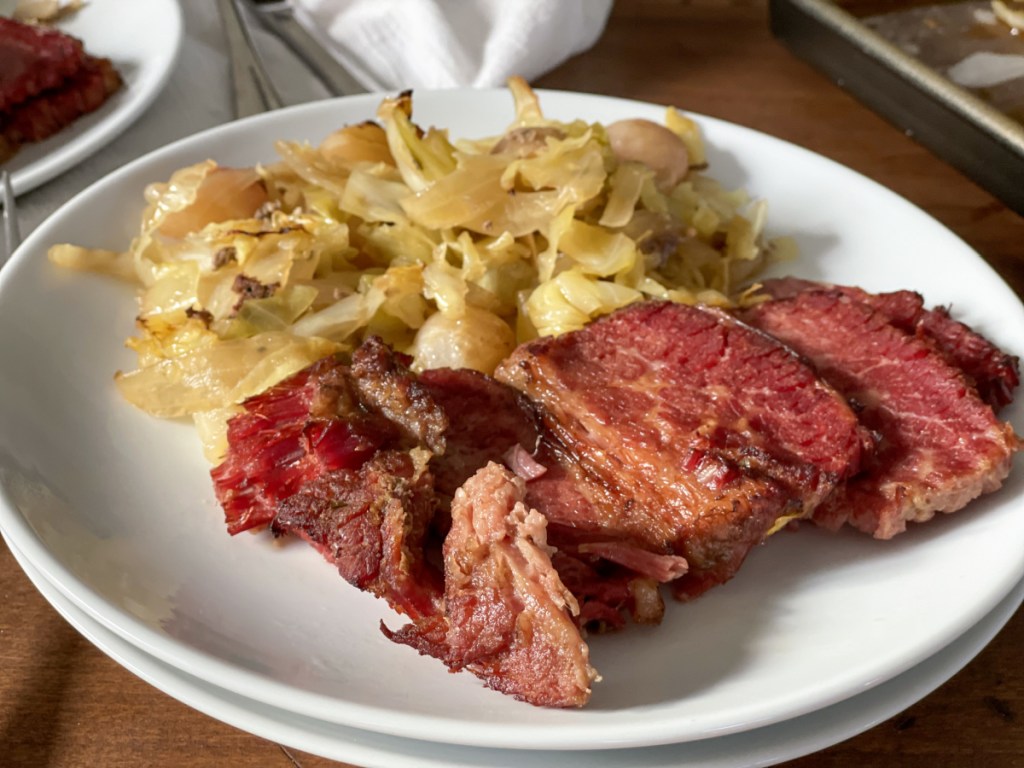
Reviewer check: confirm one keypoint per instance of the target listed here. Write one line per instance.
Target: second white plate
(761, 747)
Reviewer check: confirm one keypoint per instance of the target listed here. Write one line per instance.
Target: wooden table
(63, 703)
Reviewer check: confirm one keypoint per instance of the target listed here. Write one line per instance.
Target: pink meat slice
(47, 82)
(994, 373)
(940, 444)
(289, 436)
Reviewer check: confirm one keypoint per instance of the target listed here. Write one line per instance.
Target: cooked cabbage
(451, 250)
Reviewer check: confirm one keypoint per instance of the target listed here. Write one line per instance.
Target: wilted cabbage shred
(451, 251)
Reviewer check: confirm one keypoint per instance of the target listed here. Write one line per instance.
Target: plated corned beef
(659, 445)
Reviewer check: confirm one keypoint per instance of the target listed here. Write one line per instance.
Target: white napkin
(388, 44)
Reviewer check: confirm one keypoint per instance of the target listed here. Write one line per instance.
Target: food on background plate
(47, 82)
(34, 11)
(974, 44)
(515, 385)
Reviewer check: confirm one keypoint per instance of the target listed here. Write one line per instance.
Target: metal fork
(252, 89)
(11, 236)
(278, 18)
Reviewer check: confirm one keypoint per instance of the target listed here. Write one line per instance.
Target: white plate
(117, 510)
(142, 39)
(761, 747)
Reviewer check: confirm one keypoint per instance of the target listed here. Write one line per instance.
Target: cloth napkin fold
(389, 44)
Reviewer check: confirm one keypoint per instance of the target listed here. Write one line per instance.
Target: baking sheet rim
(925, 78)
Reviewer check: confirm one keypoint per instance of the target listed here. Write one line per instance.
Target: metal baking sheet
(906, 76)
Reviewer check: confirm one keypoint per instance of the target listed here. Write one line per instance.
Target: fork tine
(252, 88)
(278, 18)
(11, 236)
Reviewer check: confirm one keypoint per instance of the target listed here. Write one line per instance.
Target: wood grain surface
(63, 703)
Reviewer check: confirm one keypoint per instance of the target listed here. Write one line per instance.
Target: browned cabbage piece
(508, 618)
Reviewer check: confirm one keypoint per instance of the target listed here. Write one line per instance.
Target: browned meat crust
(372, 523)
(940, 445)
(387, 386)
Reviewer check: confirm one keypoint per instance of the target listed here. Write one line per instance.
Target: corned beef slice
(507, 616)
(488, 420)
(994, 373)
(313, 456)
(940, 445)
(701, 432)
(46, 114)
(485, 420)
(289, 436)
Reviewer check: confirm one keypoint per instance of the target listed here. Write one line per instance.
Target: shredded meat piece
(507, 616)
(225, 256)
(250, 288)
